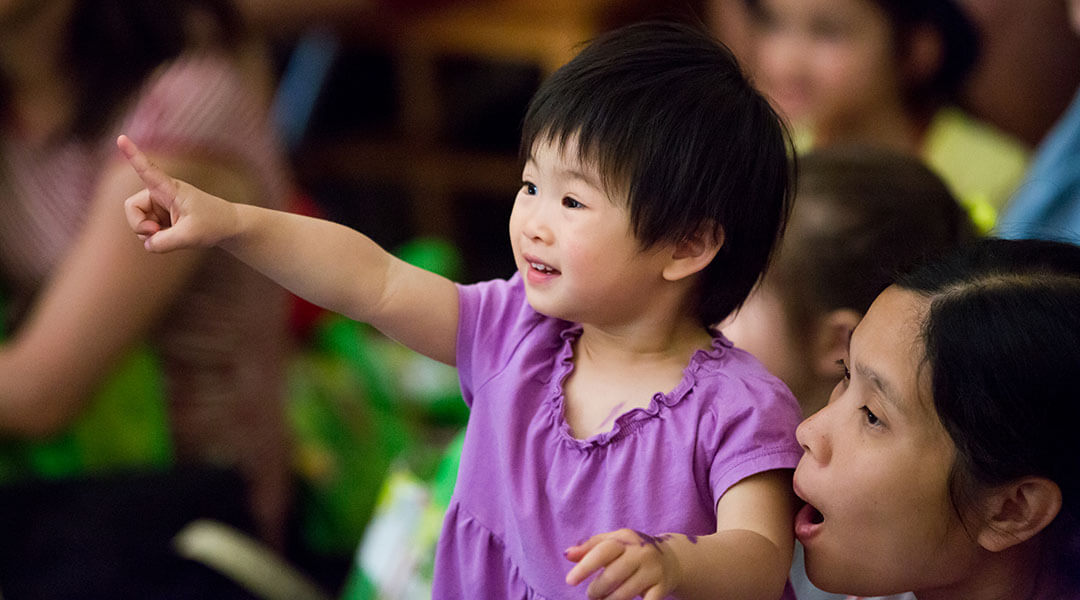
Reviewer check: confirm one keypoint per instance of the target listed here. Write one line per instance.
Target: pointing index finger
(154, 178)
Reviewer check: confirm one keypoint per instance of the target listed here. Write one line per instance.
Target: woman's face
(876, 465)
(825, 63)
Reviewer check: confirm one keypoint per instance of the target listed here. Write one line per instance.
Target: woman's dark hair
(666, 115)
(862, 215)
(111, 47)
(1002, 340)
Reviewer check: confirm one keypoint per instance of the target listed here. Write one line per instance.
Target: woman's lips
(808, 522)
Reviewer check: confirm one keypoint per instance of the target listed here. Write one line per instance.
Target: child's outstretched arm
(326, 263)
(748, 557)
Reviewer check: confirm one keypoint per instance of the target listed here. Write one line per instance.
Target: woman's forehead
(888, 347)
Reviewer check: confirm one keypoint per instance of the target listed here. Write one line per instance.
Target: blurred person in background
(885, 72)
(1047, 203)
(80, 295)
(1028, 68)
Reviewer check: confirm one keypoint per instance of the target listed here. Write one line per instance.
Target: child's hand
(633, 563)
(170, 214)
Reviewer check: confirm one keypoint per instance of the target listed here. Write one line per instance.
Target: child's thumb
(165, 240)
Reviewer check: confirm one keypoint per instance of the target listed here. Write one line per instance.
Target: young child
(861, 216)
(613, 437)
(947, 462)
(885, 72)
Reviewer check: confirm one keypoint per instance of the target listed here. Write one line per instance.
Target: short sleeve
(494, 317)
(754, 431)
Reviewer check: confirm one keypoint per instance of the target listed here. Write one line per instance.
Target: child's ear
(694, 254)
(1015, 512)
(830, 341)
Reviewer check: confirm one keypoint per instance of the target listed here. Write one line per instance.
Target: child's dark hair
(862, 215)
(666, 115)
(1002, 343)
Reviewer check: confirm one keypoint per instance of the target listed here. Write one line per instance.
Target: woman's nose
(811, 434)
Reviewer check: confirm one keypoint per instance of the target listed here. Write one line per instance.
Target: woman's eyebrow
(888, 392)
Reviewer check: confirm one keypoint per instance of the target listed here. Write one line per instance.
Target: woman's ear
(1016, 512)
(694, 254)
(830, 342)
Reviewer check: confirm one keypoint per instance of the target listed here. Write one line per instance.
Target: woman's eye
(871, 418)
(528, 187)
(569, 202)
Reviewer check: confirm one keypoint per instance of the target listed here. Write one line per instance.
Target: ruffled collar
(634, 418)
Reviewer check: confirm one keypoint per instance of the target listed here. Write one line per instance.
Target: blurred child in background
(861, 215)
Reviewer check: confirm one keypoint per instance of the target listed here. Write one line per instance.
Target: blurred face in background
(825, 64)
(763, 328)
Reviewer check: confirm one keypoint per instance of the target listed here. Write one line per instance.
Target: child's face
(573, 244)
(876, 467)
(824, 62)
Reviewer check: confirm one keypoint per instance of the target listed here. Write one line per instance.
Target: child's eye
(528, 187)
(569, 202)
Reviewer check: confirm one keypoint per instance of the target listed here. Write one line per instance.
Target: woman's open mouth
(808, 522)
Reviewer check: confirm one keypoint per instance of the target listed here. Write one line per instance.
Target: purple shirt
(527, 489)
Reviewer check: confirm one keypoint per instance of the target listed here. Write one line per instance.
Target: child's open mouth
(808, 522)
(540, 273)
(545, 269)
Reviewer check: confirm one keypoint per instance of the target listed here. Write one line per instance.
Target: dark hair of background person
(670, 120)
(1002, 343)
(862, 215)
(112, 45)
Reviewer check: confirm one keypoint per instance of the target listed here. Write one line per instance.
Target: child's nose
(535, 224)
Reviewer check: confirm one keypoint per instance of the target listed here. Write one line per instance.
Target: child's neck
(618, 371)
(639, 343)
